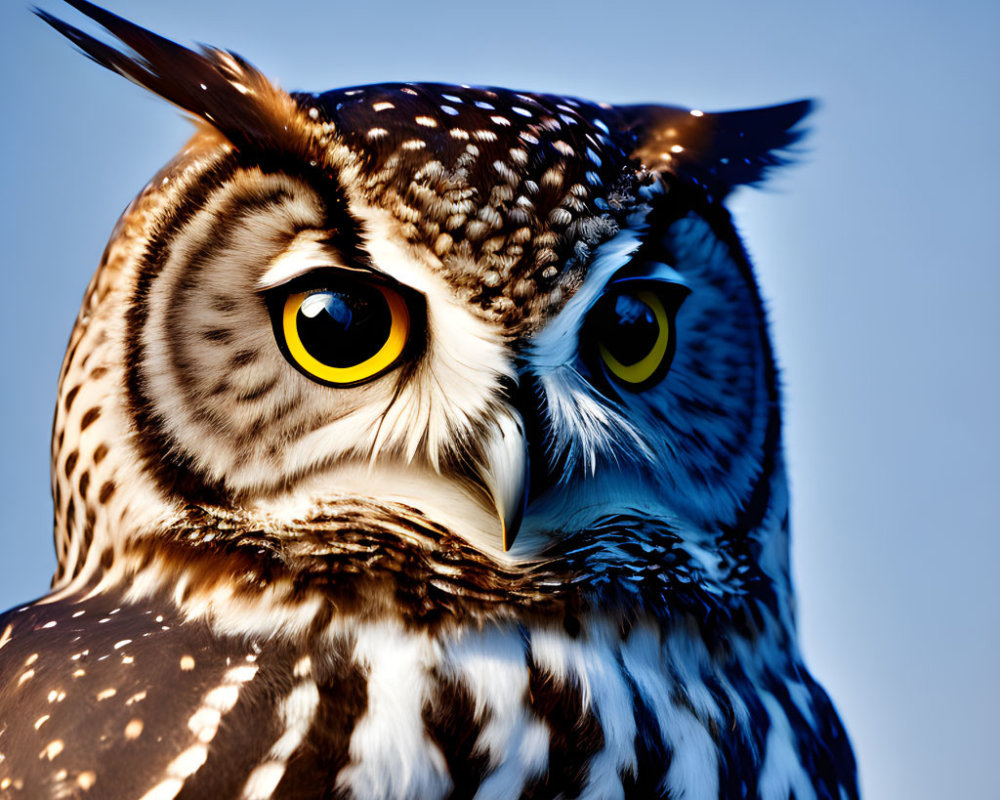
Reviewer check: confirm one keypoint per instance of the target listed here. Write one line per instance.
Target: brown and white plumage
(491, 568)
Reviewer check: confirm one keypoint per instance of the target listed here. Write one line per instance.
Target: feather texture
(274, 583)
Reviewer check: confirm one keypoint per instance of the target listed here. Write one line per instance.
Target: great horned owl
(418, 442)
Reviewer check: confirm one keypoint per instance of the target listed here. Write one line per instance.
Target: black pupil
(344, 326)
(628, 328)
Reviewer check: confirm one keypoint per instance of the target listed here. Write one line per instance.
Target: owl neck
(374, 560)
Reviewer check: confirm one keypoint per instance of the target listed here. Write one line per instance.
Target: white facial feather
(298, 426)
(466, 359)
(584, 427)
(195, 389)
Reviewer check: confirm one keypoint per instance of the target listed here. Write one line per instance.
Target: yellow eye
(344, 333)
(633, 330)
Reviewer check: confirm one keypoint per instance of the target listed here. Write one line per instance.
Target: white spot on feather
(134, 729)
(52, 749)
(137, 697)
(297, 711)
(188, 762)
(263, 781)
(164, 790)
(204, 723)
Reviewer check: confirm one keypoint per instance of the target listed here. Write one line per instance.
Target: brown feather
(217, 86)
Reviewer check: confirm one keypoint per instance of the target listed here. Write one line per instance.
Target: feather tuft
(217, 86)
(717, 150)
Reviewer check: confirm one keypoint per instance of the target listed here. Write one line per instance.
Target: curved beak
(505, 474)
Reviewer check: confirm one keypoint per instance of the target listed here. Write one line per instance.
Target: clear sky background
(879, 257)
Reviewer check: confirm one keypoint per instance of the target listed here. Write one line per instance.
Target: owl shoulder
(127, 694)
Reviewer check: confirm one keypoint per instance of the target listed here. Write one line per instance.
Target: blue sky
(878, 256)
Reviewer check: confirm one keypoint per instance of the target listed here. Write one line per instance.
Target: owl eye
(342, 332)
(632, 328)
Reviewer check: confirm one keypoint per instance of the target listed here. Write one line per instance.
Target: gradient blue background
(878, 256)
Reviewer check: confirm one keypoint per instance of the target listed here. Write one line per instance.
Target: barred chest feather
(116, 700)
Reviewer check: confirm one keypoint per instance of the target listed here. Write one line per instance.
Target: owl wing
(133, 700)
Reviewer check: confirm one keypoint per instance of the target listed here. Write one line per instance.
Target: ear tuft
(218, 86)
(719, 150)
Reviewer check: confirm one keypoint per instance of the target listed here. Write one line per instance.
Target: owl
(415, 442)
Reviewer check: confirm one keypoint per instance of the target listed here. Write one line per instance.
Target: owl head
(489, 350)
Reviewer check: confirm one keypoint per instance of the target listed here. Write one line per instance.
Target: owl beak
(505, 475)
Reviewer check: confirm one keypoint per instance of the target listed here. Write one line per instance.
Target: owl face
(512, 326)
